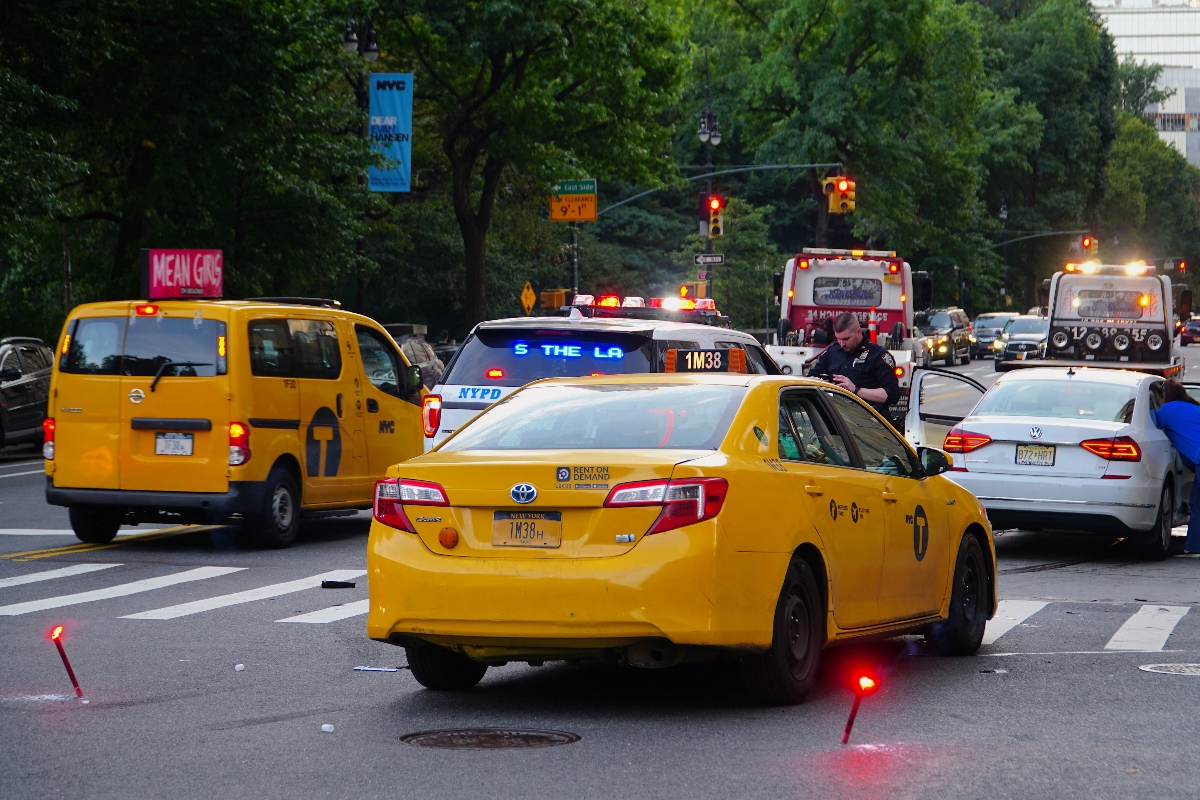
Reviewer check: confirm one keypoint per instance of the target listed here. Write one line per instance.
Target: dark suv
(25, 365)
(946, 334)
(987, 328)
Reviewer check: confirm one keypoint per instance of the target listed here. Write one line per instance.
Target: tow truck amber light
(804, 264)
(1120, 448)
(960, 441)
(48, 438)
(684, 502)
(146, 310)
(239, 443)
(431, 414)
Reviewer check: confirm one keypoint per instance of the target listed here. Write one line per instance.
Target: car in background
(1190, 332)
(418, 351)
(25, 367)
(1023, 338)
(946, 333)
(987, 328)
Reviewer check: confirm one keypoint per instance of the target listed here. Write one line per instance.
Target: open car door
(938, 400)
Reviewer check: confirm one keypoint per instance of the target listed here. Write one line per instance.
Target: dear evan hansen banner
(391, 131)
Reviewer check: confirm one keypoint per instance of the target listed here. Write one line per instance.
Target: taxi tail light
(239, 443)
(1121, 448)
(421, 493)
(684, 502)
(961, 441)
(48, 438)
(388, 509)
(431, 414)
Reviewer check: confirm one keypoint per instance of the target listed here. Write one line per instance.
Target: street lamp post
(710, 134)
(368, 51)
(1003, 222)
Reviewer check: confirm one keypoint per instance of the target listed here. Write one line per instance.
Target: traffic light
(840, 191)
(693, 290)
(716, 215)
(1090, 246)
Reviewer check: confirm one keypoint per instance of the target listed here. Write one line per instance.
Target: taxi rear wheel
(278, 524)
(961, 633)
(443, 670)
(786, 673)
(95, 524)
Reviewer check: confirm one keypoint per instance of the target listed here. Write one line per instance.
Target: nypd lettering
(478, 393)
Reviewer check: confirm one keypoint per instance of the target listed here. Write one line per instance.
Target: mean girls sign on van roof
(182, 274)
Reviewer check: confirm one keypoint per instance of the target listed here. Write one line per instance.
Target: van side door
(393, 415)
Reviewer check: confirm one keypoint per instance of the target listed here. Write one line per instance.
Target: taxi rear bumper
(243, 497)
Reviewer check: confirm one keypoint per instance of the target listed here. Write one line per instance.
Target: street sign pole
(574, 260)
(574, 201)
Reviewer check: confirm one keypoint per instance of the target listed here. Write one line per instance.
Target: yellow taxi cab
(200, 410)
(651, 519)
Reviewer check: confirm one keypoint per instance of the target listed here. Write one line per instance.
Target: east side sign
(182, 274)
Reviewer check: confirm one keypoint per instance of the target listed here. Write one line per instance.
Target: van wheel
(95, 524)
(443, 670)
(786, 673)
(961, 633)
(1158, 546)
(278, 524)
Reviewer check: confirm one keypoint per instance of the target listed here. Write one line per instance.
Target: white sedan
(1058, 448)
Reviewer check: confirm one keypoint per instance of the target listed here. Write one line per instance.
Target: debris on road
(238, 667)
(337, 584)
(327, 728)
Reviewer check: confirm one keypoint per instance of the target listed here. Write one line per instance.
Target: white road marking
(51, 574)
(1148, 629)
(34, 532)
(333, 613)
(17, 474)
(1009, 615)
(27, 463)
(120, 590)
(248, 596)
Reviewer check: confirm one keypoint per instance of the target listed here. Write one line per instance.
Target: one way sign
(709, 258)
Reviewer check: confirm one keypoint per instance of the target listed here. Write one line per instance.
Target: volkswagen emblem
(1035, 432)
(136, 396)
(523, 493)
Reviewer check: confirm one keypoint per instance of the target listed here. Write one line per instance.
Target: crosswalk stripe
(1148, 629)
(34, 532)
(333, 613)
(1010, 614)
(248, 596)
(120, 590)
(50, 574)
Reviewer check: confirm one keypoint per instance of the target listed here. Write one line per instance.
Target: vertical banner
(391, 130)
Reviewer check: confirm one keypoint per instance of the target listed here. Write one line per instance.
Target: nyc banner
(391, 130)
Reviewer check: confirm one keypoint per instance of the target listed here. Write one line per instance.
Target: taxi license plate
(1035, 455)
(173, 444)
(527, 529)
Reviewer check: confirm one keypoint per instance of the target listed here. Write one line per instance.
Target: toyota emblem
(523, 493)
(136, 396)
(1035, 432)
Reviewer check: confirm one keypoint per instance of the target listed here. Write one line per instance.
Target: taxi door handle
(814, 490)
(889, 497)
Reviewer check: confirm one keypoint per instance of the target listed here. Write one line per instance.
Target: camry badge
(136, 396)
(1035, 432)
(523, 493)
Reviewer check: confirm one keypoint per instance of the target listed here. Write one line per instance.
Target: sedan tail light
(961, 441)
(392, 494)
(684, 502)
(431, 414)
(48, 438)
(1120, 448)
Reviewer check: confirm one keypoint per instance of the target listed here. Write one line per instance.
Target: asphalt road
(1054, 706)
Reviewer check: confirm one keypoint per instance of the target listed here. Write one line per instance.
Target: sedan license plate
(527, 529)
(1035, 455)
(173, 444)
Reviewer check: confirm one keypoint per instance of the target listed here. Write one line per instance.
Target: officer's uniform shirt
(868, 366)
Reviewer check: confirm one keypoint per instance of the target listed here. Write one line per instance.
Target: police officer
(859, 366)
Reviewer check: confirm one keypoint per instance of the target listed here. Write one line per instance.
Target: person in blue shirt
(1179, 419)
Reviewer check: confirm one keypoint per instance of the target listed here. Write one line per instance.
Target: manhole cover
(488, 738)
(1172, 669)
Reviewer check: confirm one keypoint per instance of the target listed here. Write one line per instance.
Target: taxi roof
(606, 324)
(124, 306)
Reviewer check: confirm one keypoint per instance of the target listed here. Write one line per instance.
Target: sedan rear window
(1059, 399)
(604, 418)
(514, 358)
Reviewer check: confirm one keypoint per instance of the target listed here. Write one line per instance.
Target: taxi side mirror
(934, 461)
(413, 378)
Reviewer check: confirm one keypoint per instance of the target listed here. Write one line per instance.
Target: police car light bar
(584, 300)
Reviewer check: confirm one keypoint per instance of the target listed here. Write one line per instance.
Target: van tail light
(48, 438)
(392, 494)
(960, 441)
(239, 443)
(1121, 448)
(684, 502)
(431, 414)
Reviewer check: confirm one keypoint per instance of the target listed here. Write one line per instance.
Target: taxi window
(96, 346)
(604, 417)
(294, 348)
(191, 342)
(881, 450)
(271, 352)
(816, 438)
(787, 439)
(379, 360)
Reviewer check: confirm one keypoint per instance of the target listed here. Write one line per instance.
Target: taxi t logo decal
(326, 422)
(920, 525)
(854, 512)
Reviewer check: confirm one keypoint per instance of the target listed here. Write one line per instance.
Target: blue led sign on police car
(568, 350)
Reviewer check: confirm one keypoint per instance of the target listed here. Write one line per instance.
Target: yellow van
(199, 411)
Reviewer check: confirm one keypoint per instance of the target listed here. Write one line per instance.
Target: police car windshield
(1028, 325)
(516, 357)
(605, 418)
(1065, 399)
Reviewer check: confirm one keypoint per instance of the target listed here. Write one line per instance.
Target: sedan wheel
(1159, 545)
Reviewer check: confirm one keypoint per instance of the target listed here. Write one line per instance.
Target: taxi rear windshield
(190, 347)
(514, 358)
(605, 418)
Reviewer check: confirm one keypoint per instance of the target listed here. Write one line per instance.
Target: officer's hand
(845, 383)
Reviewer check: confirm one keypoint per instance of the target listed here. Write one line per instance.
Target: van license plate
(527, 529)
(173, 444)
(1035, 455)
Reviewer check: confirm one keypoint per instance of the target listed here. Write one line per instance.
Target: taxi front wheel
(961, 633)
(278, 524)
(95, 524)
(441, 669)
(786, 673)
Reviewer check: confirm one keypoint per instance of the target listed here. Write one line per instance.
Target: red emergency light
(863, 686)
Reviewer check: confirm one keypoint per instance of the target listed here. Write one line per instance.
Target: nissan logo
(1035, 432)
(136, 396)
(523, 493)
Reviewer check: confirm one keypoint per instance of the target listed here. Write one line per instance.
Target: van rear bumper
(243, 497)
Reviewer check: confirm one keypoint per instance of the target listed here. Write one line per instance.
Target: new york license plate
(1035, 455)
(527, 529)
(173, 444)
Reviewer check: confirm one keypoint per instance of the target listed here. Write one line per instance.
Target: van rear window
(139, 346)
(516, 357)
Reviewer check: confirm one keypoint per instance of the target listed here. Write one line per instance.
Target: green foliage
(1136, 85)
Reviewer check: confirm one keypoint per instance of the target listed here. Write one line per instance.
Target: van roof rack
(319, 302)
(21, 340)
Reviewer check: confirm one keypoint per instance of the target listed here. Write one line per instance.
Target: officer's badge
(862, 358)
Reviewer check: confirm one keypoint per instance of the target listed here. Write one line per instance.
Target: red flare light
(866, 684)
(57, 633)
